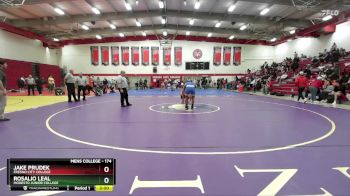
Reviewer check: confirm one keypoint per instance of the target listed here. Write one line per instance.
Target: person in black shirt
(339, 91)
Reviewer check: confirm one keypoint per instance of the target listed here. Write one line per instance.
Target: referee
(122, 86)
(70, 83)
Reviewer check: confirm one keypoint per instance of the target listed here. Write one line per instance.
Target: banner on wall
(155, 55)
(115, 55)
(135, 54)
(178, 55)
(105, 55)
(217, 56)
(125, 55)
(145, 55)
(94, 55)
(227, 55)
(167, 56)
(237, 55)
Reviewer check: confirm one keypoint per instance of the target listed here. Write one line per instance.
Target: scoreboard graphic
(75, 174)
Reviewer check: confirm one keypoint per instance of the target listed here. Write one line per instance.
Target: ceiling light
(144, 34)
(264, 11)
(231, 37)
(197, 5)
(328, 17)
(56, 40)
(163, 20)
(137, 2)
(128, 6)
(165, 33)
(243, 27)
(292, 32)
(112, 26)
(273, 39)
(98, 37)
(231, 8)
(85, 27)
(161, 4)
(121, 35)
(188, 33)
(191, 21)
(218, 24)
(138, 23)
(185, 2)
(59, 11)
(210, 34)
(95, 10)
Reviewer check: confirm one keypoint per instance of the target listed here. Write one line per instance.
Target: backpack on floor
(59, 91)
(279, 94)
(330, 99)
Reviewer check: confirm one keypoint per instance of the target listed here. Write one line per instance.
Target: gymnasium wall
(312, 46)
(77, 57)
(20, 54)
(17, 47)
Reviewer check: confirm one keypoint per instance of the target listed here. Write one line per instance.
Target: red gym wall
(16, 69)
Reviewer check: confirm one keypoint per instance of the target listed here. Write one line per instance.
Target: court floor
(231, 144)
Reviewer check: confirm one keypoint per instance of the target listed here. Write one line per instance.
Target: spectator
(105, 85)
(338, 92)
(51, 84)
(21, 83)
(39, 84)
(30, 84)
(3, 95)
(145, 83)
(301, 83)
(315, 87)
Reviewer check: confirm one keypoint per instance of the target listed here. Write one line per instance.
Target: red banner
(237, 55)
(125, 55)
(155, 55)
(135, 54)
(94, 55)
(217, 56)
(166, 56)
(227, 55)
(115, 55)
(145, 55)
(178, 55)
(105, 55)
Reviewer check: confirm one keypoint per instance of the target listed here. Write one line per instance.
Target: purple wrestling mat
(229, 145)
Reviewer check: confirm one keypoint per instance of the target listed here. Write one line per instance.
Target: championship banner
(178, 55)
(217, 56)
(135, 54)
(145, 55)
(105, 55)
(155, 55)
(94, 55)
(166, 56)
(125, 55)
(227, 55)
(237, 55)
(115, 55)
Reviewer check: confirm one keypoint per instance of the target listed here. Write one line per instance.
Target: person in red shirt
(315, 86)
(301, 82)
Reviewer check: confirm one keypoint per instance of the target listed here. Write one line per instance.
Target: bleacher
(288, 87)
